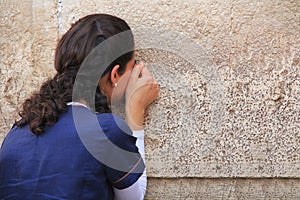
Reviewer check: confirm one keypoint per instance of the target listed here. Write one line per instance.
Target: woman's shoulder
(110, 117)
(115, 122)
(110, 123)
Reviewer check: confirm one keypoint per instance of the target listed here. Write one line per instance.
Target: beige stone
(230, 108)
(28, 37)
(218, 189)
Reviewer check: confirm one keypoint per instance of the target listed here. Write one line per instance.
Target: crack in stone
(231, 19)
(59, 15)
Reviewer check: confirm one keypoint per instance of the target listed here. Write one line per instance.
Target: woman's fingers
(147, 76)
(146, 72)
(155, 89)
(137, 70)
(141, 89)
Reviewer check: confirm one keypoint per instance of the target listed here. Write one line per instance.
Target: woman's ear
(114, 75)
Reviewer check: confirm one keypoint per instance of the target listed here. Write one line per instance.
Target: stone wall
(227, 122)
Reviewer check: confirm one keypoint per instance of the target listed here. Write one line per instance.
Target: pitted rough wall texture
(229, 73)
(29, 33)
(219, 189)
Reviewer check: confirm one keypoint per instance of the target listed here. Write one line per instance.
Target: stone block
(218, 189)
(28, 35)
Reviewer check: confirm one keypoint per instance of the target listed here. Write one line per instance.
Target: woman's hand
(141, 91)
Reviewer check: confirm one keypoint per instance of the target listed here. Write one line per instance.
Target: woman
(55, 151)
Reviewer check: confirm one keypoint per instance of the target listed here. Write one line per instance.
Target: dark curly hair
(44, 107)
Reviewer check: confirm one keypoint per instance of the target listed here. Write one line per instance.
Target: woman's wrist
(135, 117)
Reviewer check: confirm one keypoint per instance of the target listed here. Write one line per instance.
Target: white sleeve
(137, 190)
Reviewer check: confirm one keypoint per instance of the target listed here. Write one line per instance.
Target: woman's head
(84, 36)
(89, 32)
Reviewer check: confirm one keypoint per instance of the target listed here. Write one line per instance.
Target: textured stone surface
(15, 53)
(29, 33)
(228, 109)
(229, 73)
(219, 189)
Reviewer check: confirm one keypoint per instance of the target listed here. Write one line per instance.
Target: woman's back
(56, 164)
